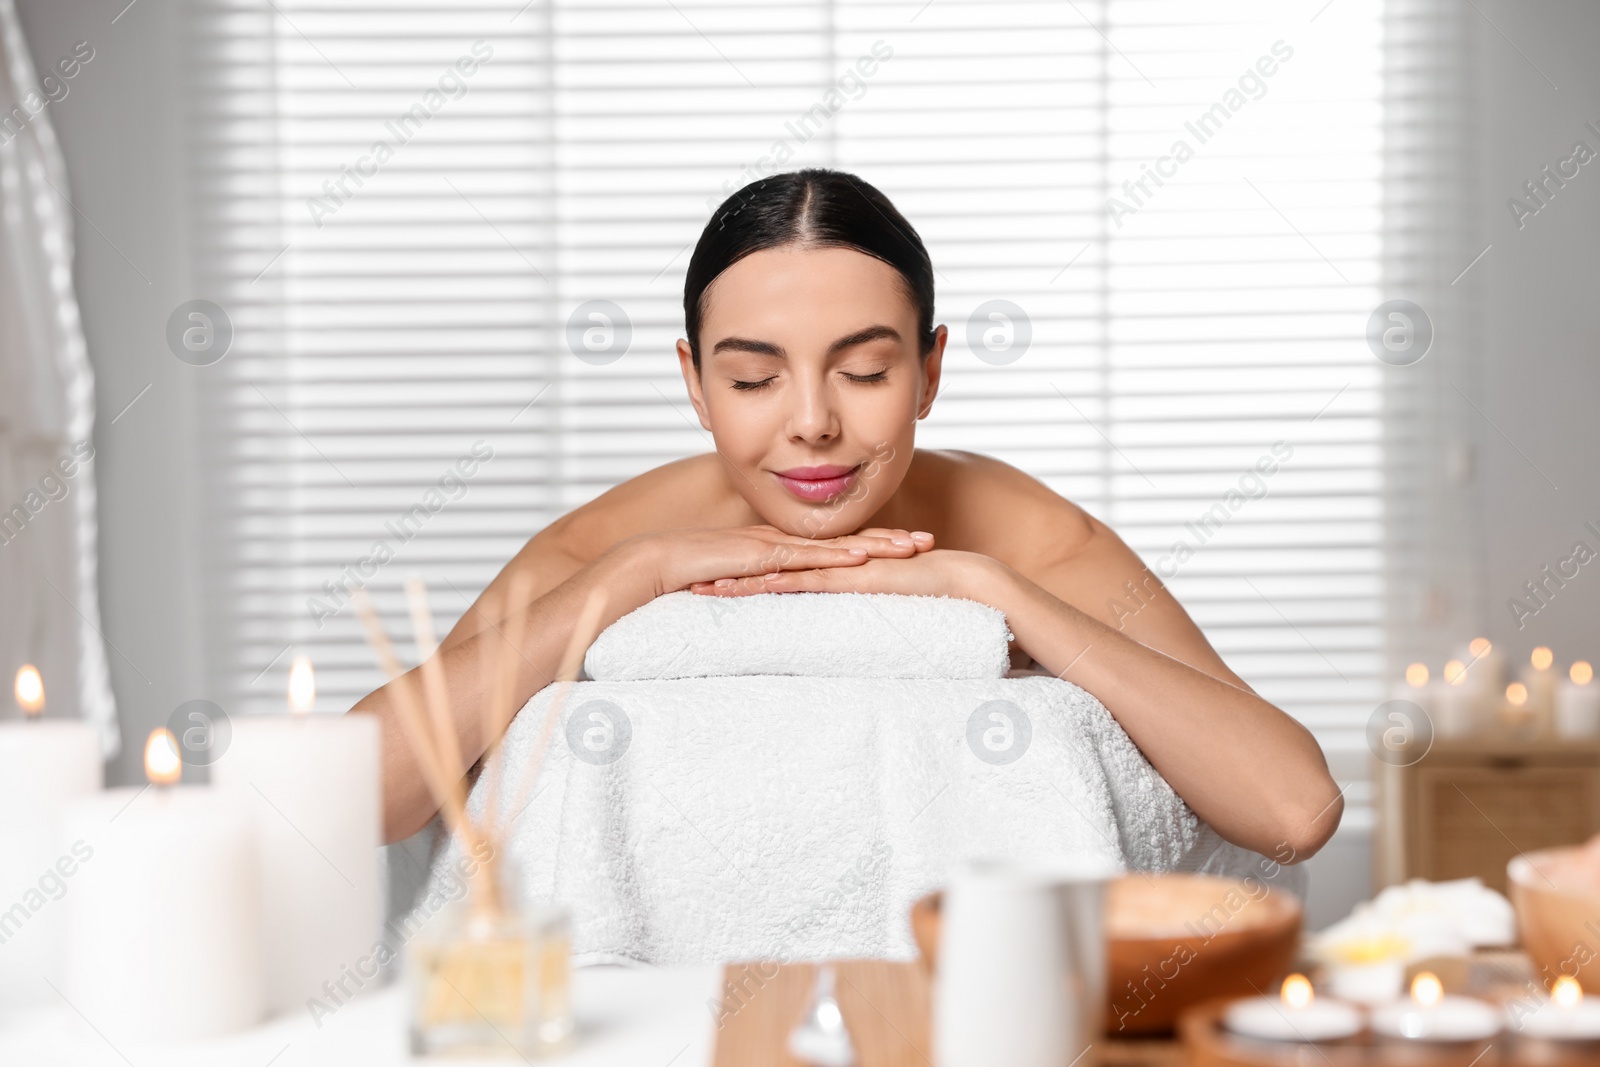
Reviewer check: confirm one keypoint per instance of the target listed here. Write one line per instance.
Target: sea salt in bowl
(1556, 893)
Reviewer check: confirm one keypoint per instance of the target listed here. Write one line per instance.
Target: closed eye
(876, 376)
(738, 384)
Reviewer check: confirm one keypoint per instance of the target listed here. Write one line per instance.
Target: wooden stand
(1470, 805)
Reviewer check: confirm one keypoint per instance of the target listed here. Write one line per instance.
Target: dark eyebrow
(745, 344)
(767, 348)
(861, 337)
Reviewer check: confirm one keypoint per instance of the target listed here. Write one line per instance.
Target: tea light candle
(1432, 1016)
(163, 918)
(45, 765)
(1295, 1015)
(311, 783)
(1567, 1016)
(1578, 703)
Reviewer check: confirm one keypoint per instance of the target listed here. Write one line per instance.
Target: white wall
(1540, 316)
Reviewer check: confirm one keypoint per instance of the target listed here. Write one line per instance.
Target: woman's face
(811, 384)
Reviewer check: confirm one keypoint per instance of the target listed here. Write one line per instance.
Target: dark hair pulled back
(810, 207)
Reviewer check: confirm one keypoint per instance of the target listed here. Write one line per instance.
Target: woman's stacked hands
(876, 560)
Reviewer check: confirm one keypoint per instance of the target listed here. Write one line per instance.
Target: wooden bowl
(1175, 940)
(1556, 893)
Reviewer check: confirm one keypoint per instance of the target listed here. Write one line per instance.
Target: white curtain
(49, 613)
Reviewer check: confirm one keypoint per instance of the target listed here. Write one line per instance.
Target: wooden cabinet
(1469, 806)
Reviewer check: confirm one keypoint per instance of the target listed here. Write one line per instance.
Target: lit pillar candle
(163, 914)
(1454, 702)
(1515, 714)
(45, 764)
(1432, 1016)
(1415, 688)
(1485, 675)
(1578, 703)
(1295, 1015)
(1541, 679)
(312, 784)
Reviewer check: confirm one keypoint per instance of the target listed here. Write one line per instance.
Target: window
(1177, 343)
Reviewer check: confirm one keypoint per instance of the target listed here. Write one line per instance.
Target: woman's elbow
(1309, 822)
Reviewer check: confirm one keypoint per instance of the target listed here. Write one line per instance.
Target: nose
(813, 419)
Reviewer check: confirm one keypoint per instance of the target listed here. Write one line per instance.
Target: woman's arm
(1248, 769)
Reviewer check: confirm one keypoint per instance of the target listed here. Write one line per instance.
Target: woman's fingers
(806, 555)
(878, 540)
(886, 542)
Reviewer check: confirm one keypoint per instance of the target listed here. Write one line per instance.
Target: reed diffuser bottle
(486, 976)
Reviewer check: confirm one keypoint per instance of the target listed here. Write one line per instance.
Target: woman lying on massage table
(811, 354)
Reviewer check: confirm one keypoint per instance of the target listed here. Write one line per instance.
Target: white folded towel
(765, 815)
(825, 635)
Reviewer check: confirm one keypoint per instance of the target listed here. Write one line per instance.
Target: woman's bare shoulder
(989, 506)
(685, 492)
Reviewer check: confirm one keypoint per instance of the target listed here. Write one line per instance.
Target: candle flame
(1454, 671)
(161, 763)
(1417, 675)
(1581, 672)
(29, 690)
(1517, 693)
(1426, 989)
(1480, 647)
(1542, 658)
(1296, 991)
(1566, 992)
(302, 686)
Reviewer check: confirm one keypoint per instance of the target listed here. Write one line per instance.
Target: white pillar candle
(1453, 707)
(1540, 677)
(312, 784)
(1485, 675)
(1415, 688)
(45, 764)
(163, 920)
(1578, 703)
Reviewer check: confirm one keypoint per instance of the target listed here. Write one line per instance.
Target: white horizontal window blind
(452, 238)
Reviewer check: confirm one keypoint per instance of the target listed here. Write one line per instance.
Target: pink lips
(816, 484)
